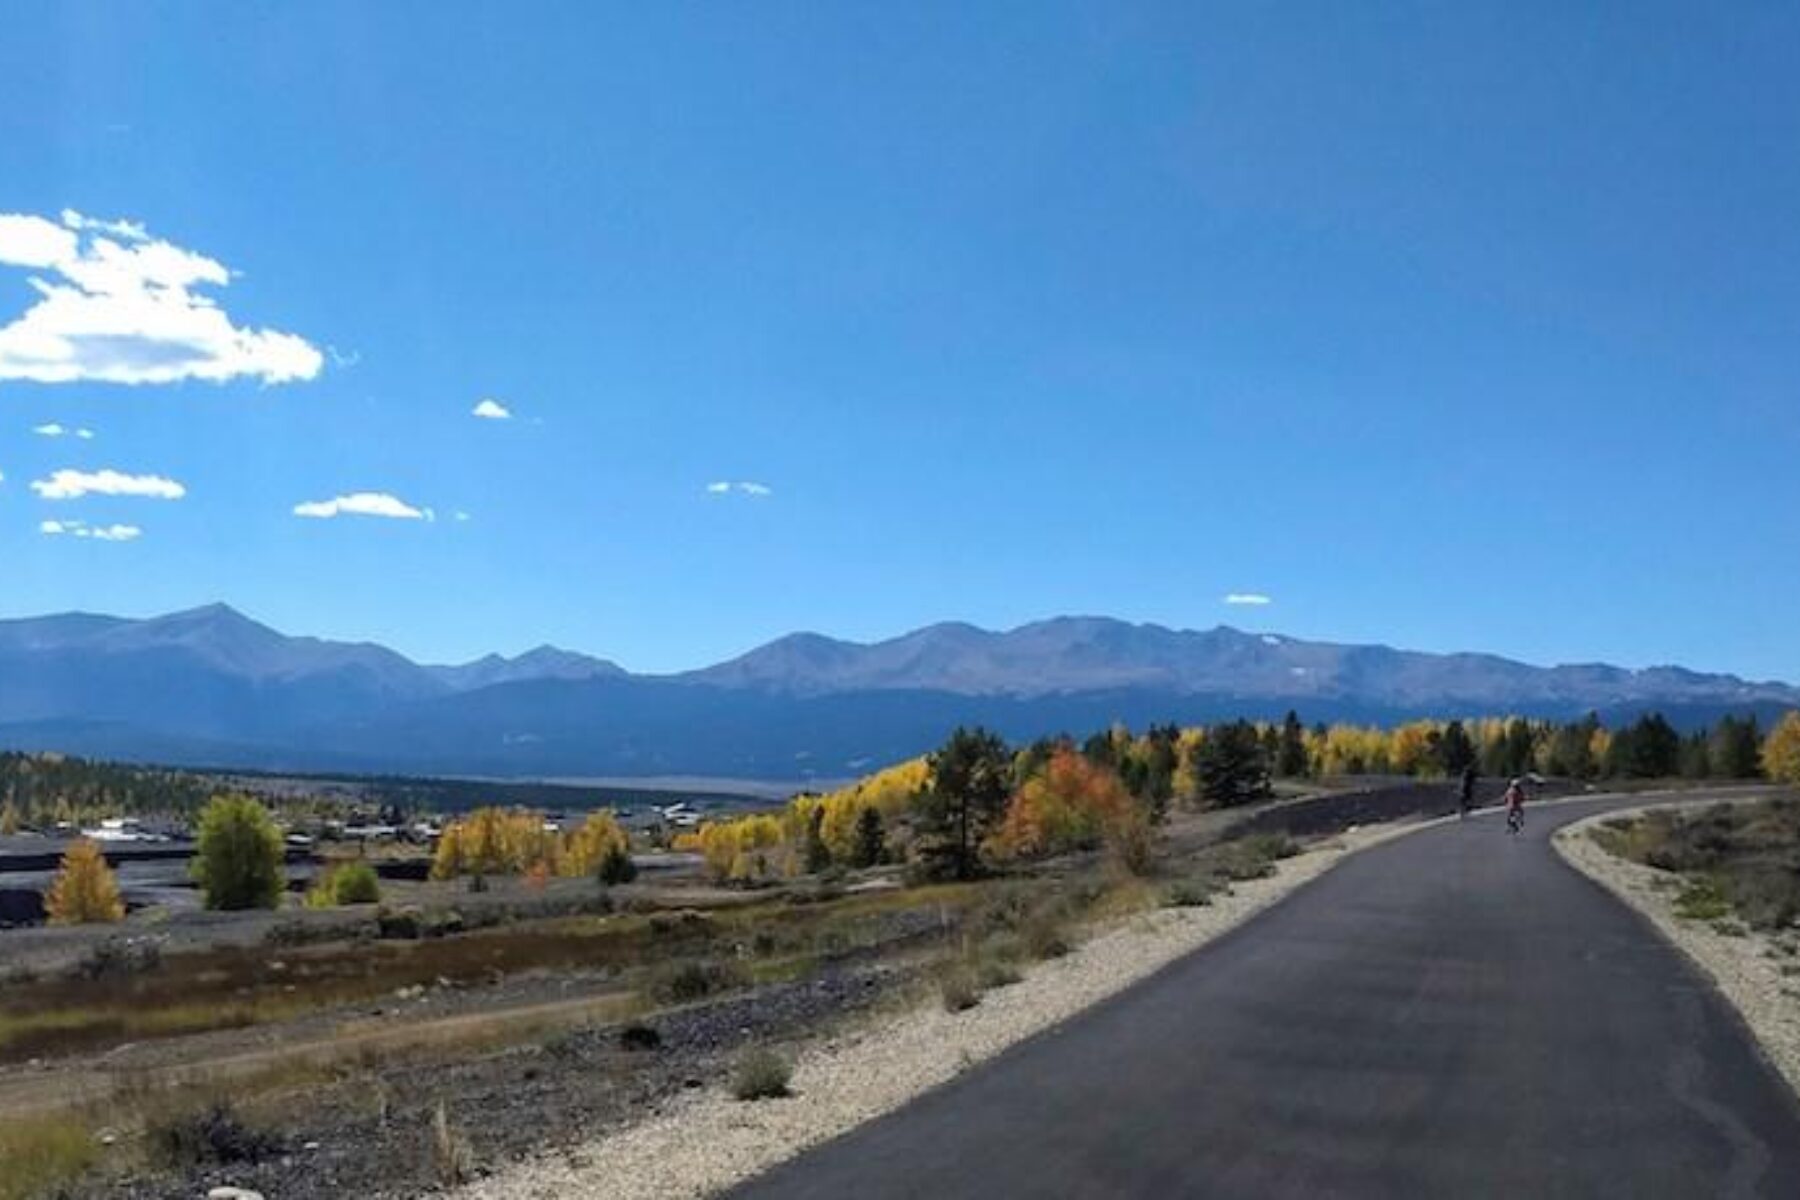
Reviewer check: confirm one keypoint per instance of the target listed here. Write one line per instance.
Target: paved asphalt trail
(1454, 1013)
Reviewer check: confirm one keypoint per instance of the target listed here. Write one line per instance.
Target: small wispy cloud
(491, 409)
(131, 231)
(81, 529)
(70, 484)
(461, 515)
(53, 429)
(342, 358)
(724, 487)
(1251, 599)
(115, 305)
(363, 504)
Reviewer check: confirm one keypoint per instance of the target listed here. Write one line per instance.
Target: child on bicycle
(1515, 805)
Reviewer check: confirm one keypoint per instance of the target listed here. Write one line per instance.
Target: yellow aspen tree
(85, 889)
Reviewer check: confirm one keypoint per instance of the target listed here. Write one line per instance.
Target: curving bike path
(1455, 1013)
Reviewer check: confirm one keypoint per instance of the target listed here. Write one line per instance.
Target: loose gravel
(1747, 966)
(706, 1141)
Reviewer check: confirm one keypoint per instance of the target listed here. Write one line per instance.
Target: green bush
(350, 883)
(238, 861)
(761, 1074)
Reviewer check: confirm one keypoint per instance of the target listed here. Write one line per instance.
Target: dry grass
(1733, 858)
(761, 1074)
(43, 1154)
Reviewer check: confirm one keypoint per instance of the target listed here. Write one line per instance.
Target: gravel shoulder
(1744, 966)
(706, 1141)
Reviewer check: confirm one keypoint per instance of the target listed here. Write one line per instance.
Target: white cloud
(52, 429)
(724, 486)
(363, 504)
(492, 410)
(117, 306)
(1254, 599)
(81, 529)
(70, 484)
(461, 516)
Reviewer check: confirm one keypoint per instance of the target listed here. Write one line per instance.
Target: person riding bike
(1515, 805)
(1465, 796)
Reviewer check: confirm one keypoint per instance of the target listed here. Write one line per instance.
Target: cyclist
(1515, 805)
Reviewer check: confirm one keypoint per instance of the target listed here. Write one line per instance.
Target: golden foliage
(764, 846)
(499, 841)
(588, 845)
(495, 841)
(1073, 803)
(1781, 752)
(84, 889)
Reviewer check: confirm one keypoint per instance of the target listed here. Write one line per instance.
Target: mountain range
(210, 686)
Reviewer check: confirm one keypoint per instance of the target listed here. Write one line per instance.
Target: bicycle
(1515, 821)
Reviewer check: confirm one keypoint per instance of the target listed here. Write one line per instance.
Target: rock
(233, 1193)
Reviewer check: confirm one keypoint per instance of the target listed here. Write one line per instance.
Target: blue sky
(1451, 326)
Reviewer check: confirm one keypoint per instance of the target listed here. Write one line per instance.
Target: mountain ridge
(213, 682)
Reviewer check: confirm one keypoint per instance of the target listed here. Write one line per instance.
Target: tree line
(977, 803)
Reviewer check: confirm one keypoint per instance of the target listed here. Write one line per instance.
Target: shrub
(405, 924)
(238, 861)
(350, 883)
(992, 972)
(205, 1137)
(958, 988)
(85, 889)
(1187, 893)
(358, 884)
(761, 1074)
(118, 957)
(1702, 900)
(638, 1036)
(616, 866)
(692, 980)
(1045, 934)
